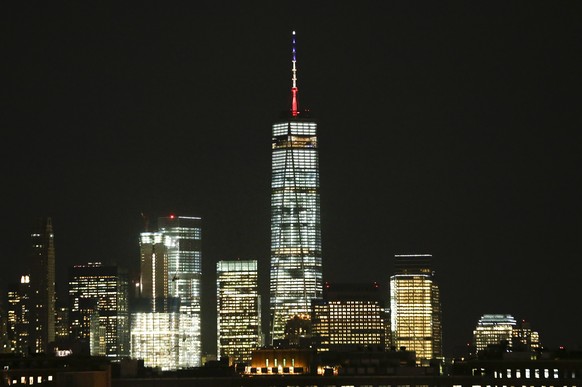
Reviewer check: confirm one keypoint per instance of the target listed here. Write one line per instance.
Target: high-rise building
(165, 331)
(296, 258)
(99, 308)
(238, 309)
(18, 316)
(415, 310)
(493, 329)
(184, 236)
(153, 283)
(349, 317)
(4, 339)
(42, 286)
(62, 324)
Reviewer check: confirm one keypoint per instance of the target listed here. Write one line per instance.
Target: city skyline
(450, 130)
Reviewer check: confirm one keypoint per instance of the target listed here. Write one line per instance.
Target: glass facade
(99, 309)
(153, 284)
(296, 259)
(183, 244)
(165, 340)
(238, 310)
(415, 307)
(170, 278)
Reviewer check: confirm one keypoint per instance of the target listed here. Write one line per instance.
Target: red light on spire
(172, 216)
(294, 109)
(294, 103)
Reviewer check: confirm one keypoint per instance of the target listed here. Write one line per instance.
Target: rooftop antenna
(294, 89)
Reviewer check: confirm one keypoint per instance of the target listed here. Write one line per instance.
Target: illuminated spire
(294, 110)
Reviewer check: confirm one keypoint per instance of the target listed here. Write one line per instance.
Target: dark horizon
(444, 128)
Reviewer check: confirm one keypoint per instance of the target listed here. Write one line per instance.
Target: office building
(18, 317)
(525, 339)
(183, 244)
(415, 310)
(42, 286)
(165, 328)
(153, 282)
(350, 317)
(296, 258)
(238, 309)
(62, 324)
(164, 339)
(493, 329)
(99, 314)
(4, 339)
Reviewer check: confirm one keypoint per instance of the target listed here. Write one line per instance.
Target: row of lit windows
(291, 279)
(294, 167)
(287, 239)
(287, 217)
(295, 128)
(294, 160)
(288, 142)
(303, 190)
(292, 226)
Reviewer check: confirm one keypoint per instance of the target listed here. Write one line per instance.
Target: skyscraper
(184, 260)
(165, 332)
(296, 259)
(238, 309)
(18, 316)
(99, 308)
(153, 282)
(415, 307)
(42, 286)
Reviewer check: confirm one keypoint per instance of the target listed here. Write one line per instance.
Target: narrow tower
(296, 259)
(42, 286)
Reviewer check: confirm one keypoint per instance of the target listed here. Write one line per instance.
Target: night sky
(451, 128)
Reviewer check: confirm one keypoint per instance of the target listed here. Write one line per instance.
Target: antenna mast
(294, 89)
